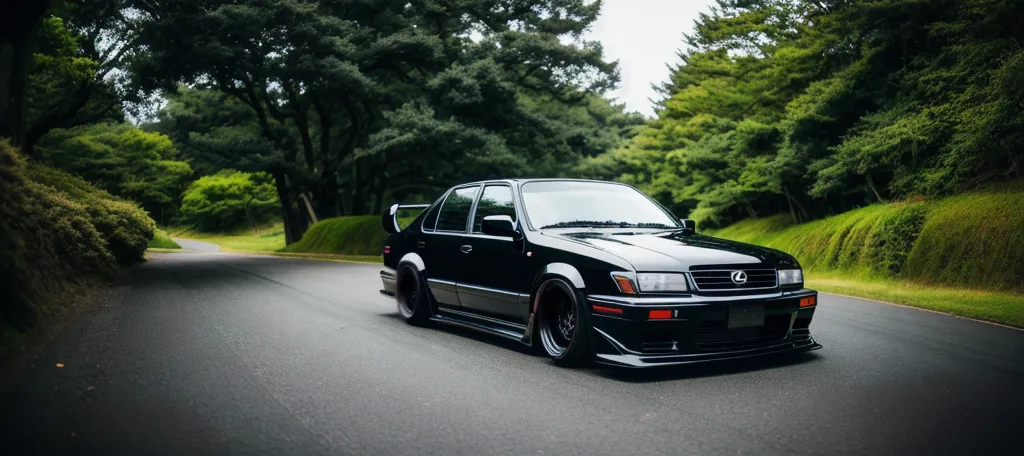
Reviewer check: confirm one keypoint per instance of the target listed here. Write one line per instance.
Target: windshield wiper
(586, 224)
(607, 224)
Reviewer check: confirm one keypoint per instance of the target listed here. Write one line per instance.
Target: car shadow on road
(645, 375)
(709, 369)
(477, 336)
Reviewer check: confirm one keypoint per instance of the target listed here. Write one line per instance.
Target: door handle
(466, 248)
(421, 244)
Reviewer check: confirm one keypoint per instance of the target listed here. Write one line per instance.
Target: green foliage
(358, 235)
(229, 199)
(970, 240)
(807, 108)
(350, 104)
(162, 241)
(975, 239)
(126, 228)
(56, 230)
(123, 160)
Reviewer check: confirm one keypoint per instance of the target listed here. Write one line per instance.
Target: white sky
(643, 35)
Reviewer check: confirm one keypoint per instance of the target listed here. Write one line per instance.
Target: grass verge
(998, 307)
(960, 255)
(162, 241)
(270, 238)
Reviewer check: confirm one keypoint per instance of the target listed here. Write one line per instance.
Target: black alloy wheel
(563, 324)
(412, 296)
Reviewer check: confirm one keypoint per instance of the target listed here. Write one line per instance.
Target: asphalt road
(214, 353)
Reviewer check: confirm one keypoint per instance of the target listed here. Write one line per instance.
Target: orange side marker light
(808, 301)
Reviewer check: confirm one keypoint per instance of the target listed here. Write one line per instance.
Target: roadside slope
(960, 255)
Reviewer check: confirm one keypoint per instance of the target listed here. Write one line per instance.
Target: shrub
(126, 228)
(229, 199)
(893, 238)
(55, 231)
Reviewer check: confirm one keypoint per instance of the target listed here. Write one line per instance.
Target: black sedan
(591, 271)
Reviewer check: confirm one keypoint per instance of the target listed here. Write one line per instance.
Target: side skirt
(490, 325)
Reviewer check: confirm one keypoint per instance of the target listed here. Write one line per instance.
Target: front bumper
(698, 329)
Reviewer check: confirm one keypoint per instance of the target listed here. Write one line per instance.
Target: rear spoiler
(390, 218)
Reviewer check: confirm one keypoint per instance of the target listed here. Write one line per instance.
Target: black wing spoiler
(390, 217)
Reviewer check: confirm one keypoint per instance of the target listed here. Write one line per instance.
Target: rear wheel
(563, 324)
(412, 296)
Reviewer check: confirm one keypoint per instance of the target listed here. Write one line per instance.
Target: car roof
(523, 180)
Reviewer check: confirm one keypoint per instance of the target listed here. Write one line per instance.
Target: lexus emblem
(738, 277)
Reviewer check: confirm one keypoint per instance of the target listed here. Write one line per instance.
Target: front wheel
(564, 324)
(412, 299)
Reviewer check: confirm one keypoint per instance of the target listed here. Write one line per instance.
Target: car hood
(675, 251)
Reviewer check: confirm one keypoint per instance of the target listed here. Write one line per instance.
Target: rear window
(431, 219)
(455, 210)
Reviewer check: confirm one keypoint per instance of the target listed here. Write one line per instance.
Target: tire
(563, 324)
(411, 295)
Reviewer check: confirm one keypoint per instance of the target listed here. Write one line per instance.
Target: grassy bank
(162, 241)
(925, 254)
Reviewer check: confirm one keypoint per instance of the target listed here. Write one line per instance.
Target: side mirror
(689, 225)
(499, 225)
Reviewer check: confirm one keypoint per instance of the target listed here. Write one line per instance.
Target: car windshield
(573, 204)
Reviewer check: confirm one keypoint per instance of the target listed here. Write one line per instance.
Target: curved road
(230, 354)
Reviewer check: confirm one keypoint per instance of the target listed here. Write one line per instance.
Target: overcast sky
(643, 35)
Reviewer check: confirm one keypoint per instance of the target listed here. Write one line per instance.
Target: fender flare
(562, 270)
(414, 259)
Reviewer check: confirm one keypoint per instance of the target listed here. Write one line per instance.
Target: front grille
(715, 335)
(721, 279)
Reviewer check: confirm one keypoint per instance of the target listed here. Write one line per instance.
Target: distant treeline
(807, 108)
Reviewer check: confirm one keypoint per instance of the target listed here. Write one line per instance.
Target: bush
(126, 228)
(55, 231)
(229, 199)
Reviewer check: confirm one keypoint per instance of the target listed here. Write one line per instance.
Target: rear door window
(496, 200)
(455, 210)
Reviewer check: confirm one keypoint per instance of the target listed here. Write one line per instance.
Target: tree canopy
(810, 107)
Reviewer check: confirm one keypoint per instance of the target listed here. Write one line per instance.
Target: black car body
(523, 259)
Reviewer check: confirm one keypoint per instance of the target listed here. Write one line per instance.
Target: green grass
(270, 238)
(162, 241)
(961, 255)
(1004, 308)
(356, 235)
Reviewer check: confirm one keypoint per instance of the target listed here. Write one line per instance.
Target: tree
(329, 84)
(123, 160)
(811, 107)
(228, 199)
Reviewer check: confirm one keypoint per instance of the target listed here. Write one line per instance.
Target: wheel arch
(414, 259)
(564, 271)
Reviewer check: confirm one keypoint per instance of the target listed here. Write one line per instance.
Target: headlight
(650, 282)
(662, 282)
(791, 276)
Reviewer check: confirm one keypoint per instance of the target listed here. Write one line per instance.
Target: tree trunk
(792, 211)
(871, 184)
(309, 208)
(378, 205)
(293, 227)
(358, 203)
